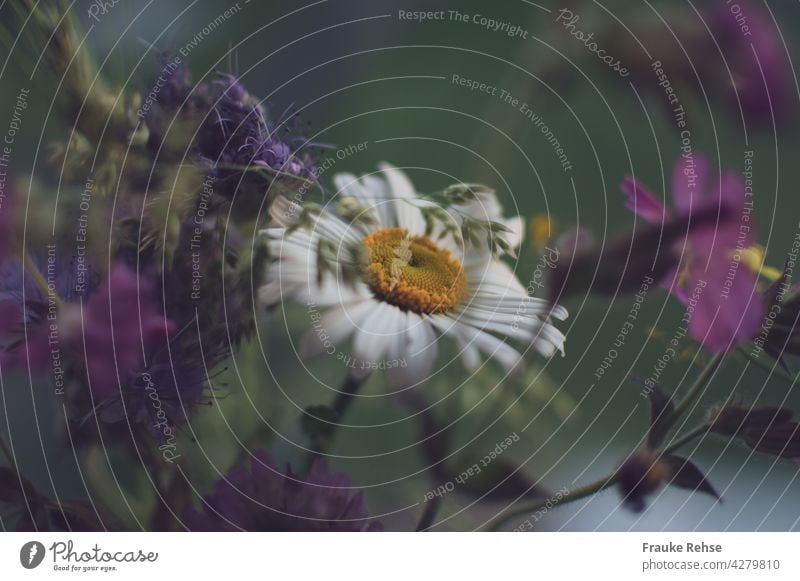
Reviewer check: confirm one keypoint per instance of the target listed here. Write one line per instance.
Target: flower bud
(639, 476)
(778, 440)
(732, 420)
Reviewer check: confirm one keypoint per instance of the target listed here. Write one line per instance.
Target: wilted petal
(641, 201)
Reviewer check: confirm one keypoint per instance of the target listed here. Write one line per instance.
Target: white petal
(333, 328)
(330, 226)
(517, 231)
(503, 325)
(471, 340)
(405, 200)
(484, 271)
(372, 192)
(549, 339)
(269, 294)
(495, 348)
(377, 332)
(416, 354)
(470, 355)
(511, 303)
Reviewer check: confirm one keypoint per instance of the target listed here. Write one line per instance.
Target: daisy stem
(688, 400)
(339, 407)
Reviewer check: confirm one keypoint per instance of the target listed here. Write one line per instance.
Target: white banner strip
(388, 556)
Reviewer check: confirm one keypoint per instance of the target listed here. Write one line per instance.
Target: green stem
(697, 389)
(688, 400)
(662, 428)
(688, 437)
(340, 406)
(571, 496)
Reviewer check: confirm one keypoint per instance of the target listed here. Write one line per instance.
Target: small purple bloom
(638, 477)
(257, 497)
(6, 225)
(233, 131)
(752, 47)
(121, 325)
(108, 340)
(718, 291)
(24, 328)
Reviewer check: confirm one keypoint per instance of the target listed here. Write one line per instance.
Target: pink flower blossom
(121, 326)
(720, 293)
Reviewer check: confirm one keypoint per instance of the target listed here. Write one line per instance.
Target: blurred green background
(358, 73)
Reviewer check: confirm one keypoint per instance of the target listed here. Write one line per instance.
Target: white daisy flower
(411, 289)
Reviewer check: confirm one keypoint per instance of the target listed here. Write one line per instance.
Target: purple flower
(25, 309)
(232, 128)
(121, 325)
(110, 341)
(640, 475)
(761, 74)
(6, 224)
(116, 340)
(19, 353)
(164, 392)
(10, 322)
(256, 497)
(718, 291)
(645, 471)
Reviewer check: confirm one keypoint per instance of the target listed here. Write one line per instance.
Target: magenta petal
(727, 309)
(670, 283)
(641, 201)
(121, 323)
(763, 77)
(733, 229)
(689, 181)
(733, 200)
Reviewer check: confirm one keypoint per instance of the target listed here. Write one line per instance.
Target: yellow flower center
(753, 258)
(412, 272)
